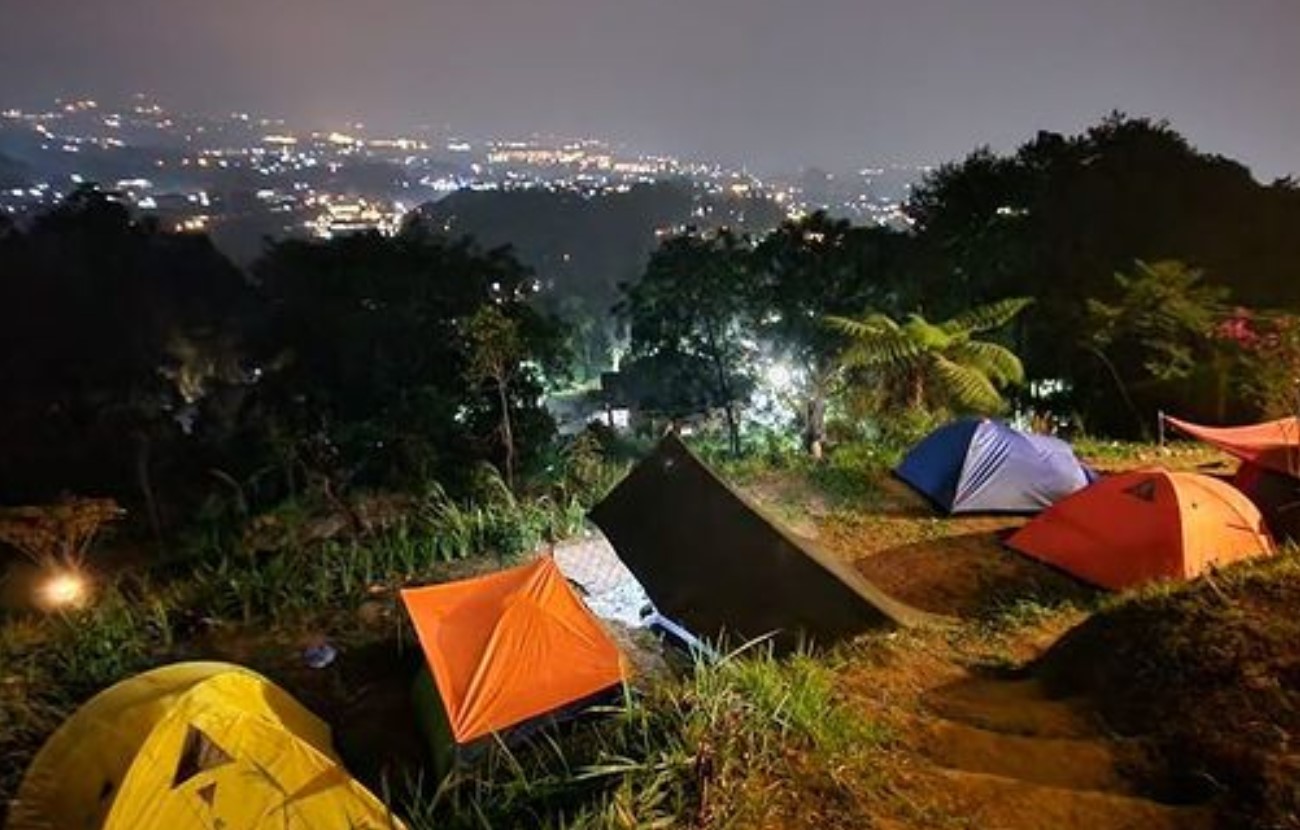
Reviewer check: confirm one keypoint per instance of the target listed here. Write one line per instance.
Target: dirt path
(975, 748)
(1004, 755)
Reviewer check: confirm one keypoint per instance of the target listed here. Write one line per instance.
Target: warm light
(65, 589)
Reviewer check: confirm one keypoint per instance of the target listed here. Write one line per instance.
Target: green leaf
(999, 363)
(969, 389)
(986, 317)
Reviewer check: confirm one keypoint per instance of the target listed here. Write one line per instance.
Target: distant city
(200, 173)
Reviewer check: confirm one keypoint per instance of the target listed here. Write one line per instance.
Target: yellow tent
(193, 745)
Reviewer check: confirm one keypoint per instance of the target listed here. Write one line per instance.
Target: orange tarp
(1145, 525)
(510, 646)
(1273, 444)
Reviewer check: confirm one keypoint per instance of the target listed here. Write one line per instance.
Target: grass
(1207, 672)
(1180, 455)
(706, 747)
(746, 741)
(50, 664)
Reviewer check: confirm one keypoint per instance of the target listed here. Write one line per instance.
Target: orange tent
(1273, 444)
(1150, 524)
(510, 646)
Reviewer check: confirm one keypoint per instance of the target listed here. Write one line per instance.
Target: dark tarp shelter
(709, 559)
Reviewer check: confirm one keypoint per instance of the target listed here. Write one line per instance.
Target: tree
(1156, 337)
(694, 305)
(1058, 217)
(1266, 350)
(1162, 319)
(495, 351)
(938, 363)
(91, 300)
(809, 269)
(373, 383)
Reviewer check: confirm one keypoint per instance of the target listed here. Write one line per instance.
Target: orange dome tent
(510, 646)
(1146, 525)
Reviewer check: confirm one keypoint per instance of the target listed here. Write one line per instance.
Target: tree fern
(941, 360)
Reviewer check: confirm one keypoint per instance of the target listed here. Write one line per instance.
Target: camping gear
(1276, 495)
(1140, 526)
(1273, 445)
(978, 465)
(608, 588)
(320, 655)
(192, 746)
(711, 561)
(510, 646)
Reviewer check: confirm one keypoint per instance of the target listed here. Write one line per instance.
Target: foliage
(1058, 217)
(686, 750)
(495, 353)
(96, 393)
(1267, 353)
(1161, 321)
(690, 311)
(805, 270)
(376, 383)
(583, 246)
(57, 534)
(141, 365)
(938, 363)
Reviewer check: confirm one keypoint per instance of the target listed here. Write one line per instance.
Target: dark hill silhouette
(583, 246)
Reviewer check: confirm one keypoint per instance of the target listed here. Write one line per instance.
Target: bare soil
(976, 748)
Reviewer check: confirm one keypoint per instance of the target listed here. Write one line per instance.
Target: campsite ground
(991, 726)
(1038, 703)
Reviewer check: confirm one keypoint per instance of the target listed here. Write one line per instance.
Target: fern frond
(999, 363)
(866, 327)
(880, 348)
(968, 389)
(987, 317)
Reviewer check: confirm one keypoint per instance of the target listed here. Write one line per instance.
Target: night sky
(776, 84)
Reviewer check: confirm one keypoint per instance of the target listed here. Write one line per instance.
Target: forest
(1087, 281)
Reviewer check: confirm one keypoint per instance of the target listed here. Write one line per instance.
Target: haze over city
(774, 87)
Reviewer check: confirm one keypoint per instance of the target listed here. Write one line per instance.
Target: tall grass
(708, 745)
(50, 664)
(48, 667)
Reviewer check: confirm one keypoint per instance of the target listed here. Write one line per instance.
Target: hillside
(1037, 703)
(581, 246)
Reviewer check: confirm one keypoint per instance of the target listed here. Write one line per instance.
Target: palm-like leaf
(882, 350)
(866, 327)
(986, 317)
(998, 362)
(877, 340)
(967, 372)
(967, 387)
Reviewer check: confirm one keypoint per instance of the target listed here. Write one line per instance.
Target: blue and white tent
(984, 466)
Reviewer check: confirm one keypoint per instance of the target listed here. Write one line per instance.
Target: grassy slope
(837, 741)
